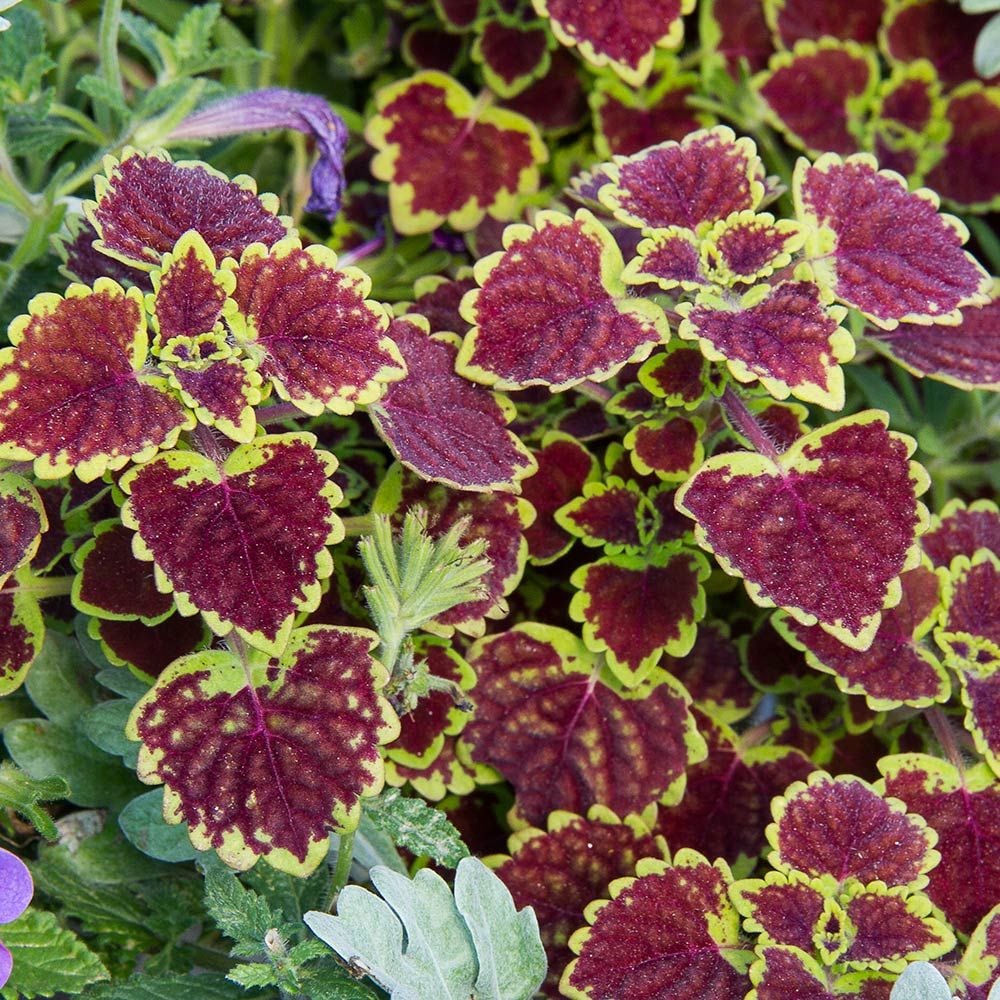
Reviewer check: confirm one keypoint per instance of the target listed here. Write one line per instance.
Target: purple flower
(16, 890)
(261, 110)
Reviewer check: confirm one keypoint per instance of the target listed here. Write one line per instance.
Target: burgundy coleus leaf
(447, 773)
(618, 34)
(844, 828)
(512, 55)
(437, 714)
(785, 973)
(785, 335)
(782, 423)
(823, 530)
(459, 15)
(981, 696)
(427, 122)
(979, 967)
(22, 631)
(963, 809)
(633, 402)
(499, 518)
(840, 78)
(569, 737)
(898, 668)
(967, 355)
(747, 246)
(552, 308)
(627, 119)
(960, 529)
(243, 541)
(679, 375)
(311, 328)
(74, 391)
(442, 426)
(885, 250)
(564, 467)
(437, 298)
(426, 45)
(557, 102)
(907, 120)
(669, 448)
(935, 30)
(970, 589)
(727, 798)
(147, 650)
(737, 31)
(670, 257)
(559, 870)
(264, 757)
(670, 932)
(111, 583)
(22, 521)
(635, 608)
(706, 177)
(145, 203)
(962, 176)
(793, 20)
(221, 392)
(711, 673)
(81, 262)
(772, 664)
(611, 514)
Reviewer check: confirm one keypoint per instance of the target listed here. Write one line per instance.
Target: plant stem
(746, 423)
(45, 586)
(359, 525)
(345, 855)
(600, 393)
(278, 414)
(946, 737)
(107, 45)
(205, 441)
(361, 251)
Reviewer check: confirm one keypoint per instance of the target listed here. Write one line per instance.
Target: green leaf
(145, 36)
(23, 43)
(331, 982)
(22, 793)
(373, 846)
(239, 913)
(512, 961)
(420, 828)
(920, 981)
(59, 682)
(207, 986)
(103, 95)
(143, 824)
(48, 959)
(252, 975)
(104, 726)
(455, 948)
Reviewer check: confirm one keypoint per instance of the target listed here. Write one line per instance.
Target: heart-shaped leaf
(567, 737)
(885, 250)
(145, 203)
(312, 330)
(423, 124)
(74, 391)
(616, 34)
(671, 931)
(512, 56)
(264, 757)
(796, 19)
(244, 542)
(443, 426)
(823, 530)
(552, 309)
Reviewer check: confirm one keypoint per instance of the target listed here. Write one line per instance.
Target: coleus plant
(169, 386)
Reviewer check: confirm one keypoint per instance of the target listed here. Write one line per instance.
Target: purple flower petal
(16, 887)
(261, 110)
(6, 964)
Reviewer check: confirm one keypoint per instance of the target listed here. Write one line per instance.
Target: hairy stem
(345, 854)
(107, 45)
(747, 424)
(278, 414)
(600, 393)
(359, 525)
(945, 735)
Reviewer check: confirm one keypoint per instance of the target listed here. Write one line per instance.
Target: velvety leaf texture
(424, 124)
(620, 34)
(244, 542)
(558, 871)
(608, 514)
(970, 597)
(671, 257)
(552, 309)
(73, 396)
(22, 521)
(797, 19)
(148, 649)
(964, 811)
(323, 344)
(891, 255)
(782, 335)
(565, 738)
(512, 56)
(146, 203)
(897, 668)
(837, 76)
(967, 355)
(842, 827)
(265, 757)
(960, 529)
(670, 932)
(706, 177)
(443, 426)
(679, 375)
(824, 530)
(669, 449)
(22, 630)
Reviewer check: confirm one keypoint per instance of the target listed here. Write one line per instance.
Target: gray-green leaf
(418, 827)
(920, 981)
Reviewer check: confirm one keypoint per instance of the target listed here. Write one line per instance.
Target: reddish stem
(278, 414)
(945, 735)
(207, 443)
(600, 393)
(747, 424)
